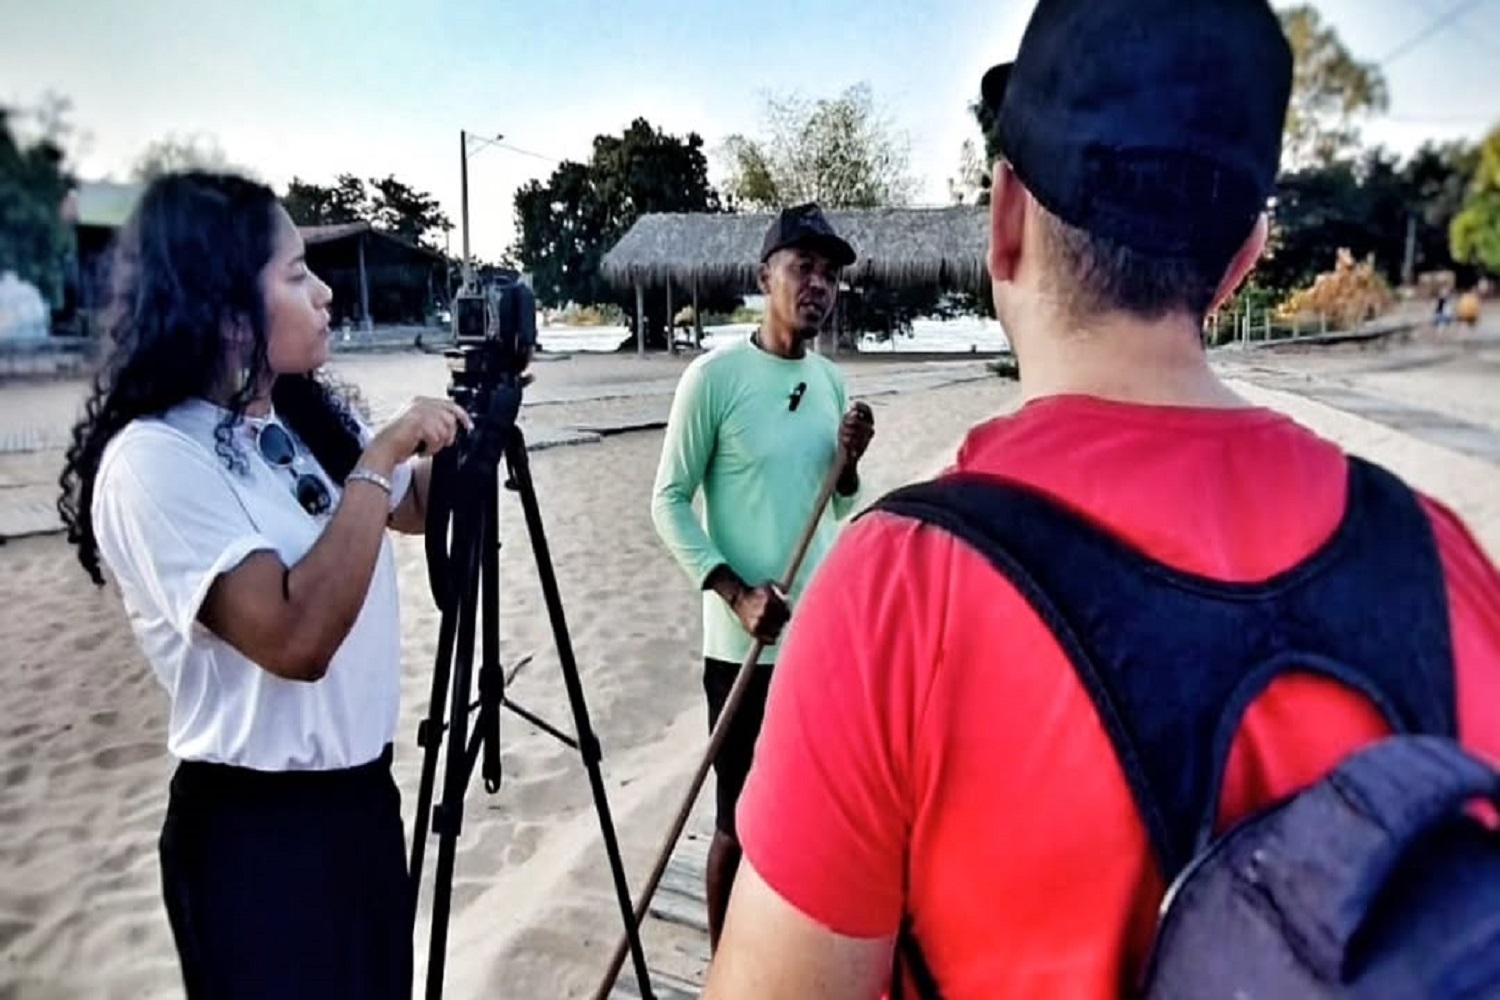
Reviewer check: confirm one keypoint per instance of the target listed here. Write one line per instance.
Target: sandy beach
(534, 915)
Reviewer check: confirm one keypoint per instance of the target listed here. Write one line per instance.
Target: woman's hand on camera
(426, 426)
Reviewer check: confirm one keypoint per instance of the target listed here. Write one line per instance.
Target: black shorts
(732, 764)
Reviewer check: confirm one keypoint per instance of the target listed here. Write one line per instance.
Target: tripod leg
(520, 469)
(470, 530)
(430, 738)
(491, 674)
(446, 587)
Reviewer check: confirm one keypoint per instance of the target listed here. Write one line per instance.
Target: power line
(1441, 119)
(1437, 24)
(527, 152)
(498, 142)
(1486, 43)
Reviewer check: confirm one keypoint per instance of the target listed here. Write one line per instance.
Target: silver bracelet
(369, 476)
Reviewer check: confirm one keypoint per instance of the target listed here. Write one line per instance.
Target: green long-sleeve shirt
(758, 463)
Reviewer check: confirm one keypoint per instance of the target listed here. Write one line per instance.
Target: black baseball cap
(1155, 124)
(806, 226)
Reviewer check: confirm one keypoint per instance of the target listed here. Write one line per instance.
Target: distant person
(755, 426)
(931, 759)
(243, 506)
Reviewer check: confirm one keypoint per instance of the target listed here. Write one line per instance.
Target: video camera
(494, 334)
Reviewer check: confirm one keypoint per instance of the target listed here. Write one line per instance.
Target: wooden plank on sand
(675, 931)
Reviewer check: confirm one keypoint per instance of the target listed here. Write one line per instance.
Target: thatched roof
(897, 246)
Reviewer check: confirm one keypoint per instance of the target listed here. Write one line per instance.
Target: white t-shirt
(170, 516)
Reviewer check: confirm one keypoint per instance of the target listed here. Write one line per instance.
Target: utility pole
(463, 179)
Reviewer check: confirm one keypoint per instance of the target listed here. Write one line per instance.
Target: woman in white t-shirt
(242, 505)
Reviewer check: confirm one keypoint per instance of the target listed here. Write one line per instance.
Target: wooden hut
(377, 277)
(897, 247)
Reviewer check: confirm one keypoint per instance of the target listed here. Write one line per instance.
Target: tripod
(465, 485)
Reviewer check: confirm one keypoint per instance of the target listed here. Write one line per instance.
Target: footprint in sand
(523, 843)
(12, 931)
(115, 758)
(23, 731)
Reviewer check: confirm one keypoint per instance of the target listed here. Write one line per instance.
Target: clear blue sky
(320, 87)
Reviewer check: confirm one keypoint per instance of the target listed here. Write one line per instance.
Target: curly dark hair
(186, 267)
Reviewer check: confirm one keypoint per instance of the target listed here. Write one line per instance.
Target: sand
(534, 915)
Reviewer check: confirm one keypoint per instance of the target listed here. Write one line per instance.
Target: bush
(602, 315)
(742, 314)
(1005, 366)
(1348, 295)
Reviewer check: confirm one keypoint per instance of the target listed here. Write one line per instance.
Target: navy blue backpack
(1374, 882)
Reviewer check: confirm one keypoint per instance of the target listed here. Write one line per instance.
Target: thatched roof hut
(902, 247)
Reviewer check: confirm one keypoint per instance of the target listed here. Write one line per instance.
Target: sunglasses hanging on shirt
(279, 450)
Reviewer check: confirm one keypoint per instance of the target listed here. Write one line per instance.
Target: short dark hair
(1103, 276)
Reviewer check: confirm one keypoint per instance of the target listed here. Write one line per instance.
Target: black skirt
(288, 884)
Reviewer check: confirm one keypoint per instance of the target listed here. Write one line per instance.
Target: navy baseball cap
(1155, 124)
(806, 226)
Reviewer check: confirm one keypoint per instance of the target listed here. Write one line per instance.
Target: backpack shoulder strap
(1172, 660)
(1134, 629)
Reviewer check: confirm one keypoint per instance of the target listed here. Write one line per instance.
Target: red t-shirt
(927, 744)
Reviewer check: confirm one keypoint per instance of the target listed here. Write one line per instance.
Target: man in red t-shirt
(929, 753)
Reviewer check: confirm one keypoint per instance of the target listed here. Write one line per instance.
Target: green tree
(1330, 91)
(183, 152)
(566, 225)
(386, 203)
(344, 201)
(1475, 231)
(971, 183)
(843, 153)
(36, 241)
(1437, 181)
(312, 204)
(411, 214)
(1369, 206)
(840, 152)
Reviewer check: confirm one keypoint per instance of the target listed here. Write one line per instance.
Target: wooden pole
(640, 321)
(721, 728)
(671, 322)
(697, 318)
(364, 287)
(838, 325)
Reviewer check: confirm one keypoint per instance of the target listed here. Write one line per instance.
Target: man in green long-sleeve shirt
(755, 425)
